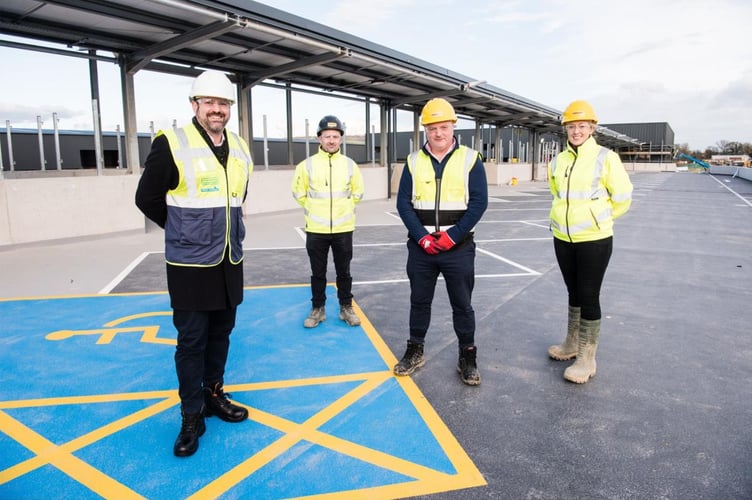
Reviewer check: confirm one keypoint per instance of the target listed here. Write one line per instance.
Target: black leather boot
(468, 366)
(187, 442)
(216, 403)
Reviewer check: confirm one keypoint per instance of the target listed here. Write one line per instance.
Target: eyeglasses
(210, 101)
(582, 127)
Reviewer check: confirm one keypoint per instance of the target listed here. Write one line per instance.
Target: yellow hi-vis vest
(204, 211)
(590, 189)
(328, 187)
(445, 210)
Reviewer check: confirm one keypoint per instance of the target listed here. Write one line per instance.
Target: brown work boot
(317, 315)
(347, 314)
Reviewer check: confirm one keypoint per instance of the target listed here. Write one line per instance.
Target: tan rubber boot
(583, 369)
(568, 348)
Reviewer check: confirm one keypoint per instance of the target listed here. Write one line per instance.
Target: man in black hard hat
(328, 185)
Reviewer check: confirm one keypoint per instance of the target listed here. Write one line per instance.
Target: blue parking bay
(89, 406)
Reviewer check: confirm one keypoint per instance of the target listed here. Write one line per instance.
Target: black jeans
(583, 266)
(317, 246)
(201, 354)
(457, 266)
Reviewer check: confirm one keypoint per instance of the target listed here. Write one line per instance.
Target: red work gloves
(443, 241)
(436, 242)
(428, 244)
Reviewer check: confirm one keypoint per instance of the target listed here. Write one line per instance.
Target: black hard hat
(330, 122)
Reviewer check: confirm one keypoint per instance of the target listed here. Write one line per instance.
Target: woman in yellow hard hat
(590, 189)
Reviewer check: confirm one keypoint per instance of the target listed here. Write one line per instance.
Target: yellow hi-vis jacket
(328, 186)
(204, 211)
(591, 189)
(453, 187)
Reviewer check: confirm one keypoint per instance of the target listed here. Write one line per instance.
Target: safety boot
(216, 403)
(568, 348)
(412, 360)
(467, 365)
(347, 314)
(192, 428)
(584, 366)
(316, 316)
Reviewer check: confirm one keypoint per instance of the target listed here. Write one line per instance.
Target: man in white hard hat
(193, 186)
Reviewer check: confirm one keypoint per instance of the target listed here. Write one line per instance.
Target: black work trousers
(457, 266)
(583, 266)
(317, 246)
(201, 354)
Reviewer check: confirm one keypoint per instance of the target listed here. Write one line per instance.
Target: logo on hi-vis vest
(208, 184)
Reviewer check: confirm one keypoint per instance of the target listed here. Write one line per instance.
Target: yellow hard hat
(577, 111)
(437, 110)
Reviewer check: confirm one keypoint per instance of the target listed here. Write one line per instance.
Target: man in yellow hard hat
(193, 186)
(590, 189)
(442, 195)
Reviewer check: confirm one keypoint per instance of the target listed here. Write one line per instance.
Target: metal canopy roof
(258, 43)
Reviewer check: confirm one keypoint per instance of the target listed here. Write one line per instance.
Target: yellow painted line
(98, 398)
(82, 441)
(300, 382)
(375, 338)
(454, 452)
(294, 433)
(80, 296)
(60, 457)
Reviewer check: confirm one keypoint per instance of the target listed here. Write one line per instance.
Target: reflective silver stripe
(238, 151)
(411, 159)
(470, 156)
(334, 222)
(445, 205)
(583, 226)
(586, 195)
(185, 154)
(351, 168)
(327, 194)
(431, 229)
(619, 198)
(600, 163)
(309, 168)
(211, 202)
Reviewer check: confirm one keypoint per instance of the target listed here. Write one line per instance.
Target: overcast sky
(685, 62)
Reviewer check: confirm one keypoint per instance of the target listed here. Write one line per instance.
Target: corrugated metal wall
(653, 133)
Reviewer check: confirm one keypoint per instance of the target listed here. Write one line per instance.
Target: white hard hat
(213, 83)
